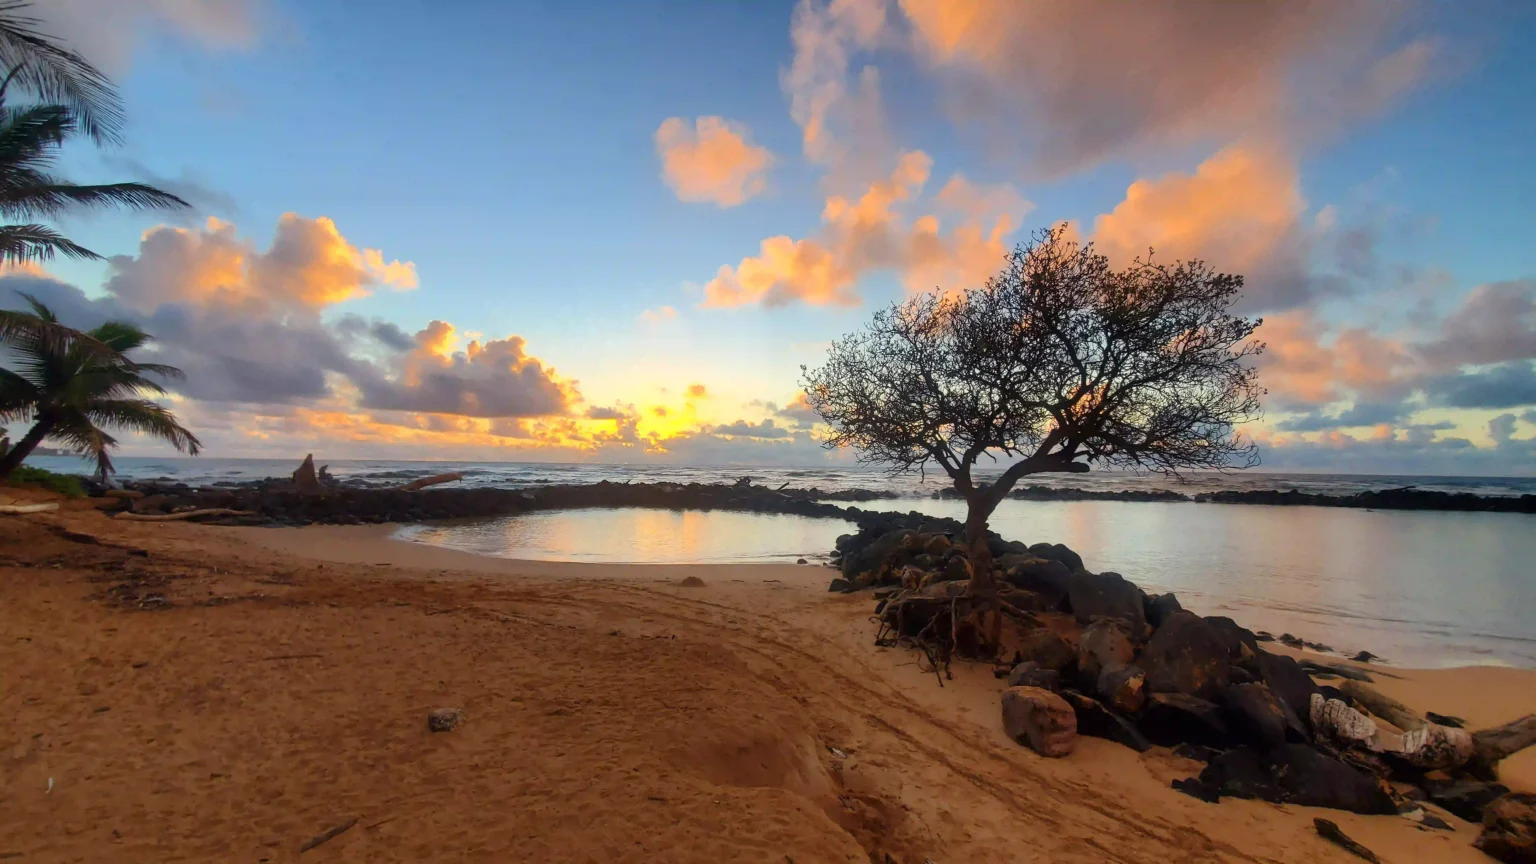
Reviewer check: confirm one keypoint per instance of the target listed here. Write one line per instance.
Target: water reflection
(633, 535)
(1423, 589)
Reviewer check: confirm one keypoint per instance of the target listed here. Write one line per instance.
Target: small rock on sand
(444, 719)
(692, 582)
(1040, 719)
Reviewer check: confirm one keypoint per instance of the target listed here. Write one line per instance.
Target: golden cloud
(713, 160)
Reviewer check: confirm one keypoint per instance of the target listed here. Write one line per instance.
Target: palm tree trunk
(23, 448)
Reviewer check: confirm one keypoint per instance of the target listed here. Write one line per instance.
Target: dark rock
(1048, 650)
(1334, 693)
(801, 561)
(1292, 641)
(1312, 779)
(1241, 675)
(1256, 717)
(1096, 721)
(1509, 829)
(1241, 773)
(842, 585)
(440, 719)
(1159, 606)
(1286, 679)
(1364, 657)
(1333, 834)
(1170, 719)
(1319, 670)
(1040, 719)
(1445, 720)
(1032, 674)
(956, 569)
(1416, 814)
(1264, 636)
(1102, 645)
(1192, 787)
(874, 558)
(304, 478)
(1123, 689)
(1466, 799)
(1185, 656)
(1107, 595)
(1196, 752)
(1058, 552)
(935, 544)
(1044, 577)
(1241, 644)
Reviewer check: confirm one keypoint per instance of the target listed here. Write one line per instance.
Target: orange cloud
(696, 391)
(309, 265)
(1300, 367)
(1234, 210)
(658, 315)
(714, 160)
(824, 36)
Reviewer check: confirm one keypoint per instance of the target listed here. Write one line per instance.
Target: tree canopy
(1058, 362)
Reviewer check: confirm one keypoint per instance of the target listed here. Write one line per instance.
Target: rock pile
(1141, 670)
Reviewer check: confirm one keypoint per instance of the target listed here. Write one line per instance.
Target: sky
(615, 231)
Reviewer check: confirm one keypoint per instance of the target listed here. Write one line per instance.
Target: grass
(64, 484)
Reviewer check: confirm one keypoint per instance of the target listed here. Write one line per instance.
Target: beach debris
(1384, 706)
(1331, 832)
(436, 479)
(1040, 719)
(1335, 720)
(444, 719)
(1349, 673)
(1445, 720)
(1509, 829)
(692, 582)
(1491, 746)
(182, 515)
(328, 834)
(1423, 818)
(304, 478)
(20, 509)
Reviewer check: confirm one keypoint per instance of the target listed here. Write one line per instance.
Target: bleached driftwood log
(1493, 745)
(185, 514)
(424, 482)
(47, 507)
(1383, 706)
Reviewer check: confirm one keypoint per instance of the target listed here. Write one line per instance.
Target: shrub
(64, 484)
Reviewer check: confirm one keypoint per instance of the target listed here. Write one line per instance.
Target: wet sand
(236, 692)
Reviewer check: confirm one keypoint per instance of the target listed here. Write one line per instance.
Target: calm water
(1420, 589)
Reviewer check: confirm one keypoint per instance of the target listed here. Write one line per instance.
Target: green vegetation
(64, 484)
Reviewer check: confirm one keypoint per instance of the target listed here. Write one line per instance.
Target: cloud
(1494, 323)
(204, 198)
(799, 410)
(106, 31)
(713, 160)
(1357, 415)
(1508, 385)
(1063, 86)
(597, 413)
(496, 378)
(1502, 429)
(839, 124)
(743, 429)
(658, 315)
(696, 391)
(1301, 368)
(309, 265)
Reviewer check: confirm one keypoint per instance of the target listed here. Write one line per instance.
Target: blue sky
(509, 152)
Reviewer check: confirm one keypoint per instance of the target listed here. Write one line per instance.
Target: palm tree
(57, 75)
(71, 393)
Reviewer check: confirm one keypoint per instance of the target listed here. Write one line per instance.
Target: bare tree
(1057, 362)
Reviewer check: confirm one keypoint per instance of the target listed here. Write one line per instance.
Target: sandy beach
(176, 692)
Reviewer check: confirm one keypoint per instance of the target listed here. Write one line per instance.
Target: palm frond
(51, 198)
(83, 438)
(58, 75)
(144, 417)
(162, 369)
(34, 243)
(122, 335)
(29, 136)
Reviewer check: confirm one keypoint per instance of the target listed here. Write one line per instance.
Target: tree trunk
(979, 506)
(23, 448)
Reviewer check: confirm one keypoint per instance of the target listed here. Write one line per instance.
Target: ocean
(1419, 588)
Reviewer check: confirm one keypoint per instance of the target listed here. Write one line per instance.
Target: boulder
(1288, 681)
(1123, 689)
(1047, 649)
(1044, 577)
(1032, 674)
(1240, 773)
(1159, 606)
(1311, 778)
(840, 585)
(1096, 721)
(872, 559)
(935, 544)
(1107, 595)
(1185, 656)
(1467, 799)
(1058, 552)
(1241, 644)
(1256, 717)
(304, 478)
(1102, 646)
(444, 719)
(1170, 719)
(956, 569)
(1509, 829)
(1040, 719)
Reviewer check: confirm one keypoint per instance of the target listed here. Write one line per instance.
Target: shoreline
(233, 692)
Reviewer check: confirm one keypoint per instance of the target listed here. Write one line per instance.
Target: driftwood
(435, 479)
(185, 514)
(1330, 832)
(14, 509)
(1491, 746)
(328, 834)
(1382, 705)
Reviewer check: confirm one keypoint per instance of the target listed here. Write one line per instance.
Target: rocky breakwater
(1138, 669)
(306, 500)
(1405, 498)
